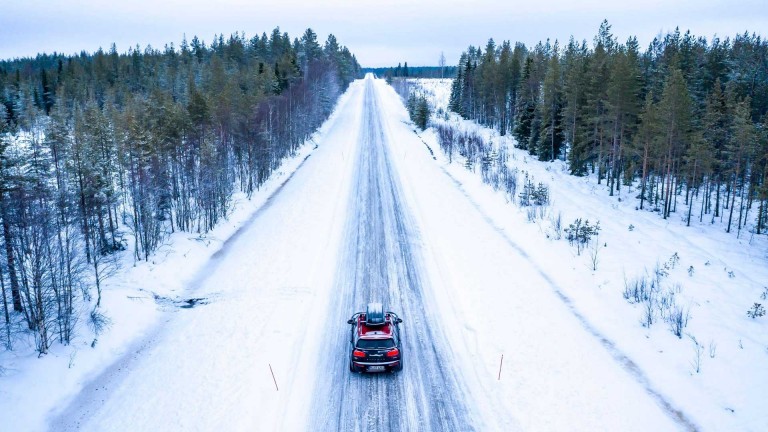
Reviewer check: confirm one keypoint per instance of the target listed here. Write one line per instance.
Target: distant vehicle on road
(375, 341)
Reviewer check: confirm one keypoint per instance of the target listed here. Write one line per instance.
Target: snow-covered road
(381, 261)
(369, 216)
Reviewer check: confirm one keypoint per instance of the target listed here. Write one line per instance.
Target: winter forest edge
(108, 153)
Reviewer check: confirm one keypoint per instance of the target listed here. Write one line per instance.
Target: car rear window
(375, 343)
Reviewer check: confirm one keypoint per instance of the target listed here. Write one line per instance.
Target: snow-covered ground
(716, 374)
(261, 350)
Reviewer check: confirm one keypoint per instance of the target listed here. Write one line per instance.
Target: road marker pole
(500, 364)
(273, 377)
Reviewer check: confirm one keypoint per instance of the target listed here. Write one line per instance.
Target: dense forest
(106, 151)
(685, 120)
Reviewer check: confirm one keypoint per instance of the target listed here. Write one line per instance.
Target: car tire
(399, 366)
(353, 368)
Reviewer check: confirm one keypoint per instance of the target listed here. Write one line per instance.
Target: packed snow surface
(261, 342)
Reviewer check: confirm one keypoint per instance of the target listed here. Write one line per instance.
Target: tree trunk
(7, 315)
(9, 240)
(705, 197)
(717, 199)
(733, 203)
(645, 174)
(741, 207)
(667, 195)
(83, 209)
(688, 197)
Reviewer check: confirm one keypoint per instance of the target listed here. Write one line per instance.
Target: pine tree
(48, 93)
(515, 78)
(645, 145)
(676, 123)
(504, 87)
(456, 103)
(597, 126)
(311, 48)
(716, 130)
(424, 112)
(762, 168)
(623, 104)
(574, 95)
(489, 86)
(526, 106)
(740, 151)
(550, 106)
(698, 163)
(8, 184)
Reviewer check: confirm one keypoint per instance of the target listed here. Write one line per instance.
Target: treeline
(405, 71)
(97, 147)
(686, 118)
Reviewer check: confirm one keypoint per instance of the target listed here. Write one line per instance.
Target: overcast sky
(378, 32)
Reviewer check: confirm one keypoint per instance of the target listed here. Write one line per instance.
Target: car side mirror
(399, 320)
(349, 321)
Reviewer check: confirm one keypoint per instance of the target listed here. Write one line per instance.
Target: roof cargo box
(374, 315)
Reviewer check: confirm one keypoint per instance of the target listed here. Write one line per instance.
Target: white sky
(378, 32)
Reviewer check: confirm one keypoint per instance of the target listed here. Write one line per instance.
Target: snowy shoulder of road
(137, 300)
(714, 375)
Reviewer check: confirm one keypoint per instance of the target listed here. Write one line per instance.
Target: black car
(375, 341)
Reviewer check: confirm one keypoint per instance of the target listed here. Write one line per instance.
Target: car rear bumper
(370, 363)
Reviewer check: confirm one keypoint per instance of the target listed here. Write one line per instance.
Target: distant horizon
(176, 45)
(380, 35)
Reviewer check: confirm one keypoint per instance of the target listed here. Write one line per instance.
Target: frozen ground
(370, 215)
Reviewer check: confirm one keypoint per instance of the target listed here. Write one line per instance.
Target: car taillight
(358, 353)
(393, 353)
